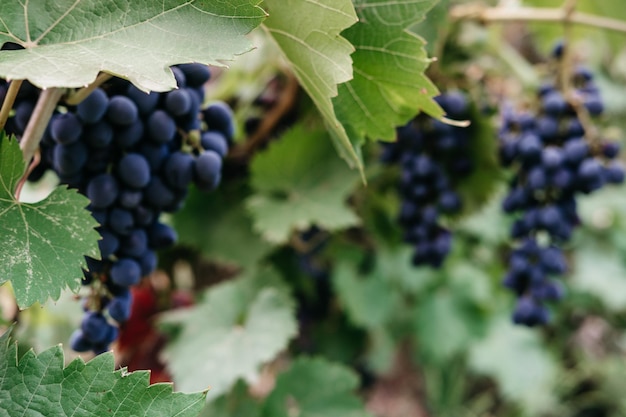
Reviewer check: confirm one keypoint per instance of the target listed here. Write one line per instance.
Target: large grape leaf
(315, 387)
(515, 357)
(69, 41)
(299, 181)
(308, 33)
(389, 86)
(239, 325)
(44, 243)
(39, 385)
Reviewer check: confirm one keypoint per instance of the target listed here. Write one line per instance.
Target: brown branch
(9, 99)
(80, 95)
(270, 120)
(486, 15)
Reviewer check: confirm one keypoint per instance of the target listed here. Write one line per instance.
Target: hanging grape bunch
(557, 155)
(134, 156)
(433, 157)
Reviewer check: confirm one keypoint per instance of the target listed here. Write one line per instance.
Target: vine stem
(81, 94)
(38, 122)
(9, 99)
(486, 14)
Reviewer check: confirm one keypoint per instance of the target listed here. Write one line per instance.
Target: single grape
(133, 170)
(102, 191)
(207, 168)
(121, 111)
(66, 128)
(125, 272)
(179, 169)
(93, 107)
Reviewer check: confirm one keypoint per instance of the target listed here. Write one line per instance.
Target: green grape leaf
(44, 243)
(299, 181)
(236, 403)
(240, 325)
(368, 300)
(315, 387)
(389, 86)
(219, 225)
(41, 385)
(68, 42)
(599, 270)
(444, 326)
(516, 358)
(308, 33)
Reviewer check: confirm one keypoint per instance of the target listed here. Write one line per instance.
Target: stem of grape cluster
(38, 122)
(9, 99)
(81, 94)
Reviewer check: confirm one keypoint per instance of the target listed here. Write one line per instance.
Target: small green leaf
(299, 181)
(599, 270)
(236, 403)
(444, 326)
(68, 42)
(315, 387)
(308, 33)
(39, 385)
(389, 86)
(516, 358)
(43, 244)
(239, 325)
(219, 225)
(369, 300)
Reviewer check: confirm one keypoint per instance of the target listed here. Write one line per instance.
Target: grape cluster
(432, 156)
(134, 156)
(554, 163)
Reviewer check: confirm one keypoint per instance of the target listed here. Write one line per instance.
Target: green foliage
(41, 385)
(315, 387)
(308, 33)
(299, 182)
(43, 243)
(67, 43)
(389, 86)
(516, 359)
(218, 225)
(237, 327)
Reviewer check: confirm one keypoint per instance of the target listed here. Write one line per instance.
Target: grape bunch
(432, 156)
(554, 163)
(134, 155)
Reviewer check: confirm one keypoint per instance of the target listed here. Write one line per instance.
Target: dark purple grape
(178, 102)
(161, 127)
(133, 170)
(119, 307)
(121, 111)
(79, 343)
(93, 107)
(66, 128)
(214, 141)
(161, 236)
(219, 116)
(98, 135)
(145, 102)
(179, 169)
(126, 272)
(102, 191)
(108, 244)
(128, 136)
(208, 169)
(121, 221)
(195, 74)
(135, 244)
(95, 327)
(69, 159)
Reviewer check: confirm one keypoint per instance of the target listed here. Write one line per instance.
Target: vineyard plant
(312, 208)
